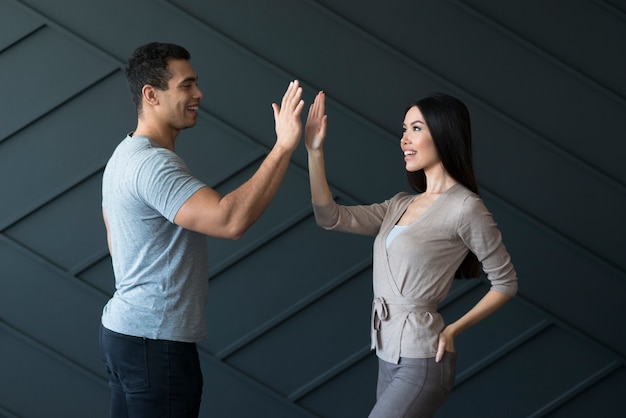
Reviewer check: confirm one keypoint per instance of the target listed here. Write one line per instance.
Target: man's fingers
(292, 95)
(276, 110)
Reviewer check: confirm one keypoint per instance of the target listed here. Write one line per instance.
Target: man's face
(178, 105)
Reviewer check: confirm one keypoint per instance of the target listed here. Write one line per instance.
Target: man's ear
(150, 95)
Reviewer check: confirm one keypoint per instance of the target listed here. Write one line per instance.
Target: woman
(423, 241)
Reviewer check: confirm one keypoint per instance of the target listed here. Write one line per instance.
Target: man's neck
(163, 136)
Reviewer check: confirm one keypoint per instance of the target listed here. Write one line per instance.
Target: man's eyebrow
(188, 79)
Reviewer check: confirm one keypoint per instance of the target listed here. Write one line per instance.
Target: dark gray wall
(289, 303)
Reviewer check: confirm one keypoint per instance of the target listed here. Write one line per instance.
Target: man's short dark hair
(148, 65)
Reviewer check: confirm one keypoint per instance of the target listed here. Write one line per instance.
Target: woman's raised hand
(315, 130)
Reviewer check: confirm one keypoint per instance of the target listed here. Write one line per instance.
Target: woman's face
(416, 143)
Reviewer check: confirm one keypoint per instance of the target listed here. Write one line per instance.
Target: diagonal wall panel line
(219, 267)
(101, 381)
(510, 120)
(562, 237)
(5, 413)
(39, 345)
(499, 199)
(557, 149)
(575, 391)
(260, 386)
(559, 322)
(72, 33)
(530, 133)
(74, 182)
(621, 187)
(272, 234)
(61, 272)
(59, 105)
(242, 47)
(275, 321)
(121, 61)
(509, 347)
(359, 355)
(537, 50)
(348, 362)
(275, 67)
(216, 268)
(474, 370)
(53, 24)
(567, 241)
(296, 307)
(466, 287)
(22, 38)
(611, 9)
(223, 37)
(330, 373)
(310, 300)
(77, 177)
(52, 266)
(521, 339)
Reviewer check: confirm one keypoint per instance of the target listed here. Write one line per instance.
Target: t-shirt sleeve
(165, 183)
(481, 235)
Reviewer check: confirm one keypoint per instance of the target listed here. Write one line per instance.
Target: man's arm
(229, 216)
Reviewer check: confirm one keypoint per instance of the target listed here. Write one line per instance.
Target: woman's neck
(438, 180)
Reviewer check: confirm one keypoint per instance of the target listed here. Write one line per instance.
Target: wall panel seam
(557, 234)
(120, 62)
(273, 233)
(51, 195)
(60, 104)
(537, 50)
(21, 39)
(611, 9)
(330, 373)
(571, 328)
(293, 309)
(539, 138)
(576, 390)
(228, 40)
(248, 380)
(50, 352)
(75, 36)
(501, 352)
(59, 271)
(5, 413)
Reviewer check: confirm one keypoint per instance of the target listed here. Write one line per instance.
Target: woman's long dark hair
(448, 121)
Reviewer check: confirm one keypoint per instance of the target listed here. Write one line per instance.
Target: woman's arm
(315, 134)
(490, 303)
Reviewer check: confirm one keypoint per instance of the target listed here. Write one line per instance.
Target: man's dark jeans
(151, 378)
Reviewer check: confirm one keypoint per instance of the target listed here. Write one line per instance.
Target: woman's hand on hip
(446, 343)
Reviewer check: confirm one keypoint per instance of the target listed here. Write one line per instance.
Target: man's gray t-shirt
(161, 269)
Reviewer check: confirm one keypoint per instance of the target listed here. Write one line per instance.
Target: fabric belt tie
(380, 311)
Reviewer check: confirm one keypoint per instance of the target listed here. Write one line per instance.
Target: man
(157, 217)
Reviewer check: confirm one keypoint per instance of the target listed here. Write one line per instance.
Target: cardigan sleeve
(358, 219)
(479, 232)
